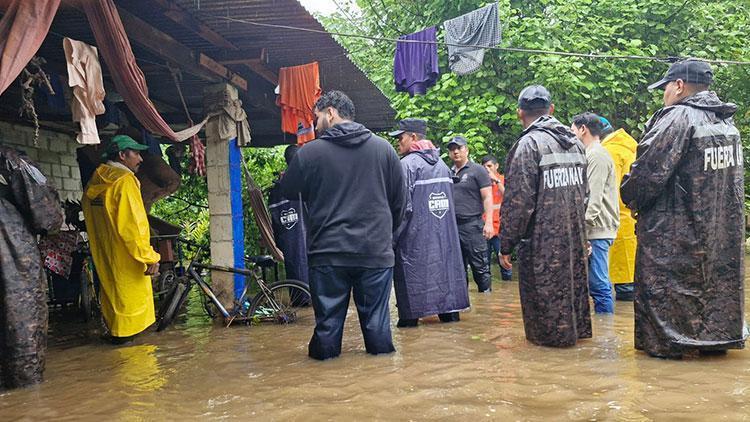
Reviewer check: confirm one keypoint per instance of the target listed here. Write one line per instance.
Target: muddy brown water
(478, 369)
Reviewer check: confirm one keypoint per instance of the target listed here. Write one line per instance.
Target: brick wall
(55, 153)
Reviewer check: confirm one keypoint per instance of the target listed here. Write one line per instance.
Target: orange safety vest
(497, 202)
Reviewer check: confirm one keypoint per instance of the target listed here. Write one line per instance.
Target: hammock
(261, 215)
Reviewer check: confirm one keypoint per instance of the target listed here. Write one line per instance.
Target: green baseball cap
(124, 142)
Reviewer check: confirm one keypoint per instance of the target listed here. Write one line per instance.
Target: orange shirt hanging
(299, 89)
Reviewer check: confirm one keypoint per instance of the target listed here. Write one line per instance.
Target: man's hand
(152, 269)
(505, 262)
(488, 231)
(589, 250)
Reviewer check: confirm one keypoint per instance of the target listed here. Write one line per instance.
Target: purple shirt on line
(415, 65)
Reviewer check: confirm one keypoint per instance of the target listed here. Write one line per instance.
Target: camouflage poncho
(544, 216)
(687, 189)
(28, 206)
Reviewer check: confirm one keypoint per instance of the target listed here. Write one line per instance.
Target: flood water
(478, 369)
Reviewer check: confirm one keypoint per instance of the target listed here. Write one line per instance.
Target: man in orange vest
(498, 189)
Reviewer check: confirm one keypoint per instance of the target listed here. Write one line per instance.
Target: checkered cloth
(478, 28)
(198, 156)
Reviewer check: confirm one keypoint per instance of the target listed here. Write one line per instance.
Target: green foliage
(188, 208)
(482, 106)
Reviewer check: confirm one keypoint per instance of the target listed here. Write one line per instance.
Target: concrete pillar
(223, 170)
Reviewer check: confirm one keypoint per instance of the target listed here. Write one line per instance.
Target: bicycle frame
(194, 275)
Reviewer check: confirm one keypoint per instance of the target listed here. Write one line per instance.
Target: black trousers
(474, 252)
(446, 317)
(330, 288)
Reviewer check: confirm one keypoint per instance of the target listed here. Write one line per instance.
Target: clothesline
(668, 59)
(164, 65)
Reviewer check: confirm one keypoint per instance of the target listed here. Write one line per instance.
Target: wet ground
(478, 369)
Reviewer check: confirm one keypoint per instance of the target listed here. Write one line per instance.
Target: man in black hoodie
(544, 215)
(352, 183)
(686, 187)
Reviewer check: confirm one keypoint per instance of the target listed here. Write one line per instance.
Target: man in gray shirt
(602, 212)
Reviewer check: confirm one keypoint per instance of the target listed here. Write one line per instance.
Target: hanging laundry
(56, 99)
(468, 34)
(154, 146)
(110, 120)
(225, 117)
(299, 89)
(128, 78)
(415, 64)
(307, 133)
(85, 77)
(197, 157)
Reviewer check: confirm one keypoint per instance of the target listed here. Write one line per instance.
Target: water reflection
(481, 367)
(138, 369)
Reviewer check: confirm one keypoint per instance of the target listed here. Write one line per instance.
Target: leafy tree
(188, 208)
(483, 105)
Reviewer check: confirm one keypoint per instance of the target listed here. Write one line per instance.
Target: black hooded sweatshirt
(353, 185)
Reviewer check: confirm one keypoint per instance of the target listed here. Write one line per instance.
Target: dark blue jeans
(493, 245)
(330, 288)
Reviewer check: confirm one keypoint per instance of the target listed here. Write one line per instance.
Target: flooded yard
(478, 369)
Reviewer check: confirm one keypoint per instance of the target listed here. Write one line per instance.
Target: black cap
(410, 125)
(534, 97)
(690, 71)
(458, 141)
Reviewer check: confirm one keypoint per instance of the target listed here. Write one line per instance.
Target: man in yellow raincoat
(621, 147)
(119, 237)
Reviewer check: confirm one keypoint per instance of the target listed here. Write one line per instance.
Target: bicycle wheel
(170, 307)
(286, 301)
(165, 282)
(86, 296)
(88, 300)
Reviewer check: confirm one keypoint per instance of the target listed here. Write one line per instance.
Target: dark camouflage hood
(709, 101)
(554, 128)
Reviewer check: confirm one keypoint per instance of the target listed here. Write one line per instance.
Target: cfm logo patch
(289, 218)
(438, 204)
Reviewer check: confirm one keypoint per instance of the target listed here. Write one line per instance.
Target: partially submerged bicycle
(282, 302)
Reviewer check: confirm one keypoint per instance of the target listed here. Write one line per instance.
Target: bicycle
(89, 298)
(283, 302)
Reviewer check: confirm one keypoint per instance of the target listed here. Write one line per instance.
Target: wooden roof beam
(254, 59)
(167, 48)
(182, 17)
(185, 19)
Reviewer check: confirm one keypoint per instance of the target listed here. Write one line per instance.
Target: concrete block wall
(54, 152)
